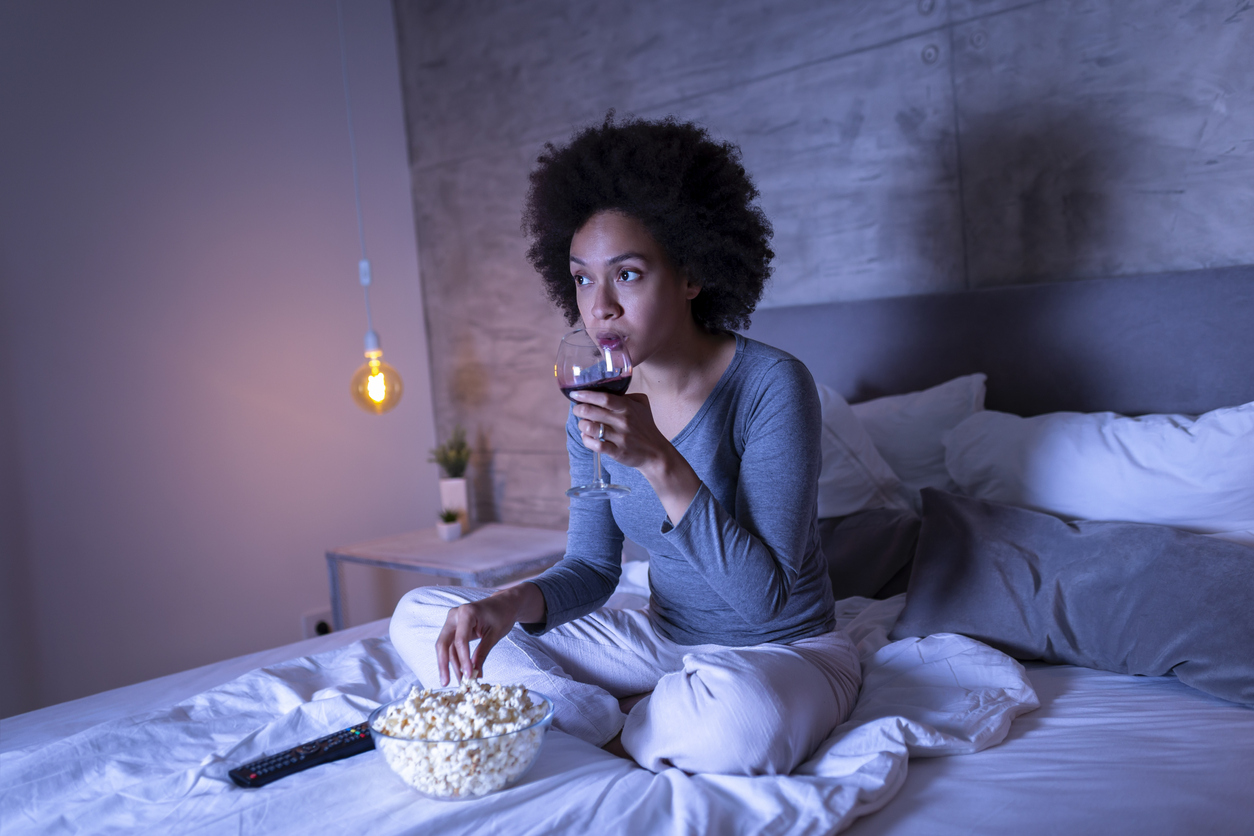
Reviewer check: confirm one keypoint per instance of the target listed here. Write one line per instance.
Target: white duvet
(166, 771)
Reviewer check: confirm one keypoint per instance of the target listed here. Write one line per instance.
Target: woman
(645, 232)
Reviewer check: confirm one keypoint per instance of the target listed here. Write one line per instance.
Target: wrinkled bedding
(166, 769)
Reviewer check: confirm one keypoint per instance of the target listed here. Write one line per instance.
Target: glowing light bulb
(376, 385)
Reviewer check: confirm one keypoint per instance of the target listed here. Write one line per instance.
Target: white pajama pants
(757, 710)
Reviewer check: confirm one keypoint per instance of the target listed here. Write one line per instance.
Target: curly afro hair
(690, 192)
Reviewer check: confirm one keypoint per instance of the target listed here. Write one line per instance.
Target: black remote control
(342, 744)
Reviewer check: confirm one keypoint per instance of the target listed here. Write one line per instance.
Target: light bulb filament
(377, 387)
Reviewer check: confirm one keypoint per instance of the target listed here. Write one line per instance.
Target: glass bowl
(457, 770)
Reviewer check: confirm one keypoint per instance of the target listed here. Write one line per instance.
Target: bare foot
(627, 703)
(615, 747)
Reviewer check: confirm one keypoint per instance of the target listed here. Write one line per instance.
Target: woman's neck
(687, 368)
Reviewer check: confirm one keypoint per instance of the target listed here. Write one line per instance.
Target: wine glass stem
(596, 468)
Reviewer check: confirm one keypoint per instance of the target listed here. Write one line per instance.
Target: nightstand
(492, 555)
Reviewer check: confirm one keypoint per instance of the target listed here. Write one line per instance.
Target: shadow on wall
(468, 388)
(1035, 188)
(1034, 207)
(483, 479)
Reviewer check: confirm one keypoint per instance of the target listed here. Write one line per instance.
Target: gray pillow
(868, 553)
(1123, 597)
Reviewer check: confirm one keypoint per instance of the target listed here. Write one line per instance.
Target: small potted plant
(449, 527)
(452, 456)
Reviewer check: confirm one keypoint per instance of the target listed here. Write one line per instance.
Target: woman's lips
(609, 340)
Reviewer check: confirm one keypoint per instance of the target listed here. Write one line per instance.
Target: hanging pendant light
(376, 386)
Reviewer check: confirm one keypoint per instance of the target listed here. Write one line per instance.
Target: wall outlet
(314, 624)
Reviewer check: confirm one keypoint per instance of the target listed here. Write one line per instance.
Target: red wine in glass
(584, 364)
(613, 385)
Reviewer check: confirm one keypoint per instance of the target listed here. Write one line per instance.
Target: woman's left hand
(631, 438)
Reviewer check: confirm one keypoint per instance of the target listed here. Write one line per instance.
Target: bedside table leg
(334, 575)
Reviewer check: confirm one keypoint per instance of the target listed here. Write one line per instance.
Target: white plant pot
(455, 496)
(449, 531)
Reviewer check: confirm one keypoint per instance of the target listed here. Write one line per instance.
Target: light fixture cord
(352, 150)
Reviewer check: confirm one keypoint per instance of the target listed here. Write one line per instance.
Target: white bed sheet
(58, 721)
(165, 769)
(1106, 753)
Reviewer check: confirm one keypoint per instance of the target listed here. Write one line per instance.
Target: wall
(178, 251)
(901, 147)
(19, 685)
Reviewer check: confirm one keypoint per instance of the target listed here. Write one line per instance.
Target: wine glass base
(605, 491)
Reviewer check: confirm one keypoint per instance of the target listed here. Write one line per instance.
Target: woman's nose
(605, 305)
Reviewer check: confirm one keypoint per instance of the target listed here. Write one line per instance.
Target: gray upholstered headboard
(1178, 342)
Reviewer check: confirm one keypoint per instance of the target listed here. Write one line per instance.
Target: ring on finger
(601, 433)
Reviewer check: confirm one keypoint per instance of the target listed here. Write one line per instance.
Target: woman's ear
(691, 287)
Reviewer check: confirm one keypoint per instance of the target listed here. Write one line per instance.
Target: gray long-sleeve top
(744, 564)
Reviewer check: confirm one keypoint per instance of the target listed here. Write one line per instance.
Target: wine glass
(584, 364)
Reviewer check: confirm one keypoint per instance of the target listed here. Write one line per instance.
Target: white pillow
(854, 476)
(909, 430)
(1177, 470)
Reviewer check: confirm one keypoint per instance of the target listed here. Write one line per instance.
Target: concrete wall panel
(856, 165)
(493, 334)
(488, 72)
(1105, 138)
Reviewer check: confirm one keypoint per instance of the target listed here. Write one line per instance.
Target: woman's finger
(467, 632)
(486, 642)
(592, 429)
(593, 398)
(589, 423)
(442, 648)
(457, 663)
(597, 412)
(591, 433)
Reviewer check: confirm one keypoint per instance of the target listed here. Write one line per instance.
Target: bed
(949, 736)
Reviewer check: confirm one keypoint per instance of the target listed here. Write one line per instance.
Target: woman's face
(627, 288)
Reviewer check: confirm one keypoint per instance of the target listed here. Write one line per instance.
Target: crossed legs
(744, 710)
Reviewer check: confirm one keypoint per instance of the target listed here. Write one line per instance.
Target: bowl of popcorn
(462, 742)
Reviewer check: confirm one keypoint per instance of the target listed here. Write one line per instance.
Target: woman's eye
(628, 276)
(580, 280)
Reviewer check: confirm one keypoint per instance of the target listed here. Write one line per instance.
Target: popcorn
(462, 742)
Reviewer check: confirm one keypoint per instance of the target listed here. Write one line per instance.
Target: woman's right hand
(487, 620)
